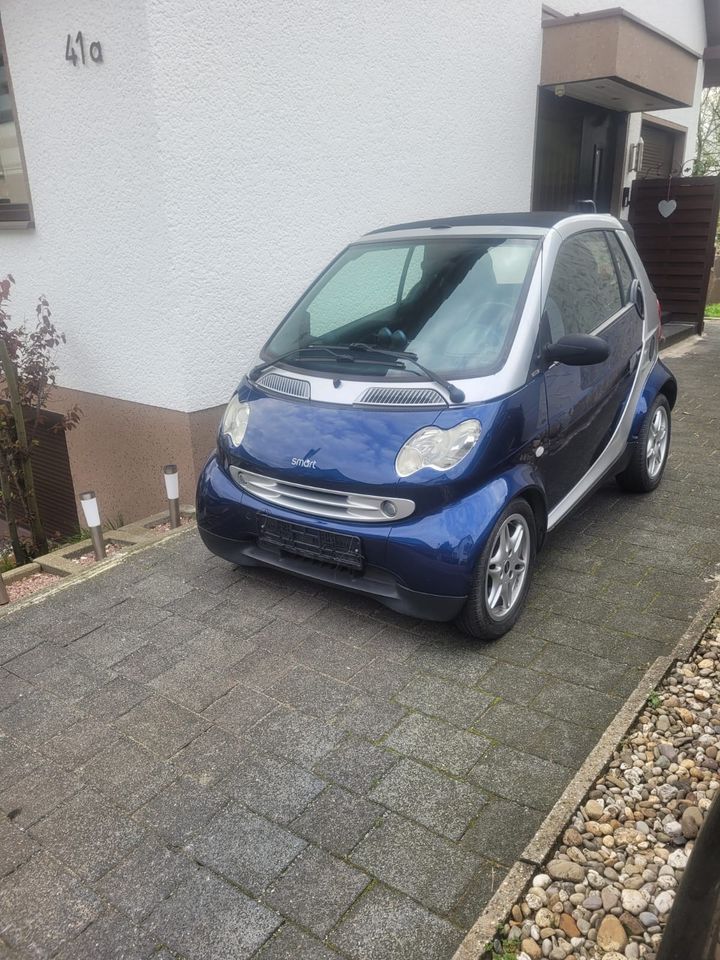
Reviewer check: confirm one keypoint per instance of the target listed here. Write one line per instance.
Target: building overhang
(613, 59)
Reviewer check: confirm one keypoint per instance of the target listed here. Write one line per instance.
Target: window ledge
(16, 216)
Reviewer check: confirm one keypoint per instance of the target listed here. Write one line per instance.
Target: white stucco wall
(186, 190)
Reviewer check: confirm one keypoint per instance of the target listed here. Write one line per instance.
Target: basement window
(15, 210)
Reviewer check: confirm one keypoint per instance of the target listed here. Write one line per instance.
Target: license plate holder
(313, 543)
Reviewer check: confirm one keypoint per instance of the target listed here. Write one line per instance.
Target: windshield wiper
(312, 349)
(348, 354)
(455, 393)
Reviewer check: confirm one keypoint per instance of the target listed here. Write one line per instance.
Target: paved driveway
(234, 764)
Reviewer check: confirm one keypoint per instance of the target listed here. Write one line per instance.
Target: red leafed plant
(27, 375)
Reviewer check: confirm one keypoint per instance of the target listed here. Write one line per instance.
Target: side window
(624, 269)
(584, 290)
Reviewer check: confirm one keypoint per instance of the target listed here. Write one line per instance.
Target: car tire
(487, 614)
(645, 470)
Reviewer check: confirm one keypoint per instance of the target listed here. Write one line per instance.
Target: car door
(589, 293)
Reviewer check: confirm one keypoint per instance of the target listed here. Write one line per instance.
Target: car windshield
(452, 302)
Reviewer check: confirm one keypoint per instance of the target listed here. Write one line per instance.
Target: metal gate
(675, 224)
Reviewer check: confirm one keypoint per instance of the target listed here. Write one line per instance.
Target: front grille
(322, 546)
(321, 502)
(290, 386)
(402, 397)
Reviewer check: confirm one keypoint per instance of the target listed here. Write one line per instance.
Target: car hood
(325, 445)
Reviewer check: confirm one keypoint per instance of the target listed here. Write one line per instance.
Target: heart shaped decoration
(667, 208)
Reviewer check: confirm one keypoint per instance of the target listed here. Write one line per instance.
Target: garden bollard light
(89, 503)
(172, 487)
(4, 597)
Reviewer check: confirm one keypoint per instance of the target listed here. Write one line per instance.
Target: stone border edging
(546, 837)
(92, 570)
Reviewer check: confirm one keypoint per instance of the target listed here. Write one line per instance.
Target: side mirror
(636, 297)
(577, 350)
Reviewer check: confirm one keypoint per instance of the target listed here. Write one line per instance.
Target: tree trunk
(37, 533)
(21, 556)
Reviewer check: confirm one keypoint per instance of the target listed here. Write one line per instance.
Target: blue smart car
(444, 394)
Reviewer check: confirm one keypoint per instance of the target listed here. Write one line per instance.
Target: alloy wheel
(657, 442)
(508, 566)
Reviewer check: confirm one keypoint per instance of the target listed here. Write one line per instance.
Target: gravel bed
(111, 550)
(608, 888)
(28, 585)
(164, 525)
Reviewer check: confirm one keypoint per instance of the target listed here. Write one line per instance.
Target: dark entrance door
(575, 153)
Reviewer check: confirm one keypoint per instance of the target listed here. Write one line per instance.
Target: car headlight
(436, 448)
(235, 420)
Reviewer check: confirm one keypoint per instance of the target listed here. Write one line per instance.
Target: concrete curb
(547, 835)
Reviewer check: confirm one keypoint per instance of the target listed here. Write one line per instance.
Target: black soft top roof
(542, 220)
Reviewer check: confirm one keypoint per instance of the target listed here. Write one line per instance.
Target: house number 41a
(95, 49)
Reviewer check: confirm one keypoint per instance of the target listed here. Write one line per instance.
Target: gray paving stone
(298, 607)
(35, 795)
(136, 614)
(440, 698)
(511, 724)
(338, 659)
(343, 624)
(370, 717)
(605, 675)
(161, 726)
(28, 665)
(114, 699)
(215, 649)
(281, 636)
(12, 688)
(108, 644)
(437, 801)
(394, 643)
(274, 787)
(111, 937)
(385, 924)
(379, 680)
(289, 943)
(16, 761)
(337, 820)
(207, 919)
(76, 744)
(127, 774)
(313, 692)
(44, 905)
(149, 875)
(181, 810)
(183, 684)
(246, 848)
(316, 890)
(15, 847)
(239, 709)
(37, 717)
(356, 764)
(87, 834)
(294, 735)
(234, 621)
(458, 660)
(513, 683)
(577, 704)
(437, 744)
(502, 830)
(482, 886)
(148, 662)
(211, 757)
(72, 678)
(512, 774)
(565, 743)
(160, 589)
(261, 668)
(405, 856)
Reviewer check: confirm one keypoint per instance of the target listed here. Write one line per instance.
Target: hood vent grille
(402, 397)
(290, 386)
